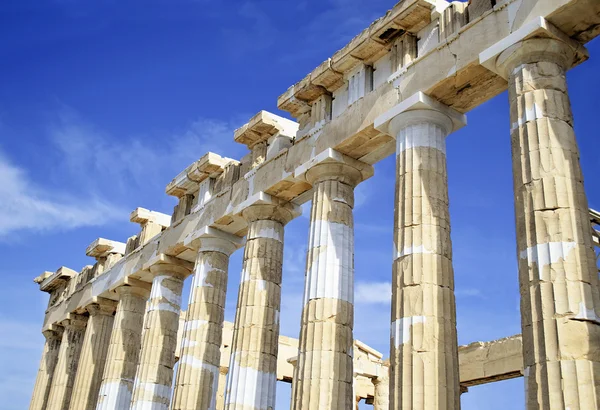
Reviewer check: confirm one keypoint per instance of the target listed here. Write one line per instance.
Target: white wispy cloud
(373, 292)
(25, 205)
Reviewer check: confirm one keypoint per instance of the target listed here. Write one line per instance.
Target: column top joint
(162, 263)
(498, 58)
(425, 106)
(212, 239)
(342, 167)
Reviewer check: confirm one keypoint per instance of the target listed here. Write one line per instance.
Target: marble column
(324, 375)
(252, 375)
(560, 299)
(381, 399)
(43, 382)
(197, 379)
(221, 390)
(124, 349)
(424, 350)
(93, 355)
(68, 359)
(154, 377)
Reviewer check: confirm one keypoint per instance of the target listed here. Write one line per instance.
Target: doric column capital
(168, 265)
(53, 334)
(210, 239)
(333, 165)
(418, 109)
(536, 41)
(127, 290)
(261, 212)
(74, 321)
(102, 306)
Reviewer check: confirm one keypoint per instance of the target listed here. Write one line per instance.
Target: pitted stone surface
(68, 361)
(424, 350)
(43, 382)
(324, 374)
(124, 349)
(560, 293)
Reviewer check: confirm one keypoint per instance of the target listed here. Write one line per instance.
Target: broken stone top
(142, 216)
(210, 165)
(263, 126)
(101, 248)
(54, 280)
(408, 16)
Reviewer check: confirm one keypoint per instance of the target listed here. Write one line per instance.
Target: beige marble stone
(560, 293)
(325, 373)
(252, 378)
(198, 372)
(43, 381)
(424, 349)
(68, 361)
(124, 348)
(93, 355)
(154, 376)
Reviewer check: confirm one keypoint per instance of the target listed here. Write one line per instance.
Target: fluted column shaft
(124, 349)
(424, 349)
(93, 355)
(154, 377)
(381, 399)
(560, 301)
(198, 372)
(68, 359)
(324, 377)
(43, 382)
(252, 375)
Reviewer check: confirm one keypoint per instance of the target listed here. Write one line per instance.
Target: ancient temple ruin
(115, 330)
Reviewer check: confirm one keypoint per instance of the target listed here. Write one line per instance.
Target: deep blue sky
(102, 104)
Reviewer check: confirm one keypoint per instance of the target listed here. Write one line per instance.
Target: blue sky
(103, 103)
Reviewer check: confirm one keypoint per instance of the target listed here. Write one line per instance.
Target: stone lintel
(263, 126)
(101, 248)
(211, 165)
(163, 259)
(539, 27)
(332, 156)
(419, 101)
(406, 16)
(142, 216)
(62, 275)
(209, 238)
(487, 362)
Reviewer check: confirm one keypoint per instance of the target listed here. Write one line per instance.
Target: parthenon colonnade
(115, 331)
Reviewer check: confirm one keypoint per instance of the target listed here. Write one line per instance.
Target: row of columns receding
(125, 361)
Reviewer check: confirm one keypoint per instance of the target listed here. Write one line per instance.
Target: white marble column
(124, 348)
(198, 373)
(68, 360)
(154, 377)
(424, 350)
(324, 374)
(252, 378)
(560, 293)
(93, 355)
(43, 382)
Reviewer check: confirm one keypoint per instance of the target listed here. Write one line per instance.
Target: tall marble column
(424, 350)
(93, 355)
(324, 374)
(43, 382)
(124, 349)
(560, 294)
(68, 359)
(154, 377)
(198, 372)
(253, 366)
